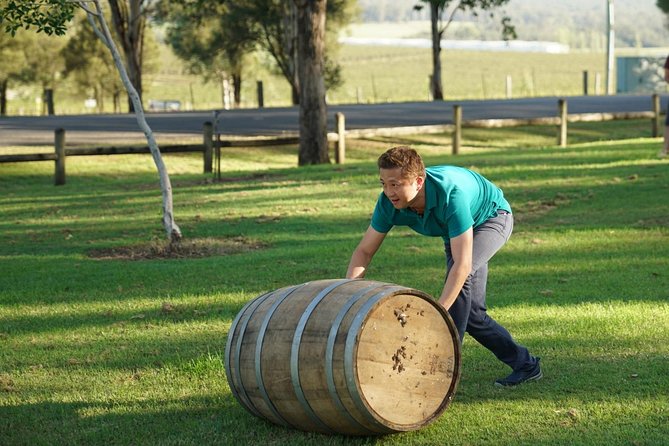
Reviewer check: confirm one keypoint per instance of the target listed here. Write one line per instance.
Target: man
(474, 220)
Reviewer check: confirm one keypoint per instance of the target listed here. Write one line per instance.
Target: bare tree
(51, 17)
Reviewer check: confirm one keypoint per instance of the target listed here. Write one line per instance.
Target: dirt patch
(185, 249)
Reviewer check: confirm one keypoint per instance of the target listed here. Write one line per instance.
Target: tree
(12, 64)
(129, 19)
(52, 17)
(44, 67)
(89, 62)
(212, 38)
(310, 60)
(294, 33)
(274, 24)
(442, 13)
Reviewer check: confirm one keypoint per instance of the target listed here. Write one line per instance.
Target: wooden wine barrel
(355, 357)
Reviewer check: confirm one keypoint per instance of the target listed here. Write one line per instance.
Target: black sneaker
(521, 376)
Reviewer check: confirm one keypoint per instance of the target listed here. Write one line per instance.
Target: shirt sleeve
(381, 221)
(458, 214)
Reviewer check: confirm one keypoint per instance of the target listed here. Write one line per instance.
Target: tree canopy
(48, 16)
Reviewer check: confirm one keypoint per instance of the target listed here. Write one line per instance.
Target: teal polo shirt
(455, 200)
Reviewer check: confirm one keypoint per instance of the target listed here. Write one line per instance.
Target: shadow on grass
(567, 406)
(192, 421)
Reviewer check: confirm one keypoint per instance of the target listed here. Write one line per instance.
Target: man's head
(402, 175)
(406, 159)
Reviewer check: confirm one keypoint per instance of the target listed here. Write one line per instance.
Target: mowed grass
(110, 351)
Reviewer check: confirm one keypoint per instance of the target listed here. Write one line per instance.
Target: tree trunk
(135, 76)
(98, 95)
(116, 100)
(290, 43)
(237, 88)
(295, 91)
(437, 89)
(311, 47)
(129, 24)
(171, 228)
(47, 102)
(3, 97)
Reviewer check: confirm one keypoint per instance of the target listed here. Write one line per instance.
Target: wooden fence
(212, 144)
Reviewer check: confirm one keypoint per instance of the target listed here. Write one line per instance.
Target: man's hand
(364, 253)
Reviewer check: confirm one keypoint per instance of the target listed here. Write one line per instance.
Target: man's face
(400, 191)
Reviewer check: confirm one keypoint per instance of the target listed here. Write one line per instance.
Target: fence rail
(211, 145)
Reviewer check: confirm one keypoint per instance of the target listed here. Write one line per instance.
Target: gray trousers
(469, 309)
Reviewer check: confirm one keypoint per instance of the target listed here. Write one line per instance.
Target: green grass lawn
(112, 351)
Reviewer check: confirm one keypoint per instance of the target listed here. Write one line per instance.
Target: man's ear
(420, 181)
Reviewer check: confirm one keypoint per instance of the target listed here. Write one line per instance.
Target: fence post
(585, 82)
(509, 86)
(340, 145)
(562, 134)
(457, 132)
(261, 95)
(656, 115)
(59, 142)
(208, 143)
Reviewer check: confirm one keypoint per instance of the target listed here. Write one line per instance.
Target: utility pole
(610, 48)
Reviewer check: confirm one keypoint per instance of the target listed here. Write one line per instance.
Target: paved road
(108, 129)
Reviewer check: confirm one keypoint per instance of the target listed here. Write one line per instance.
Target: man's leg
(469, 310)
(488, 239)
(491, 334)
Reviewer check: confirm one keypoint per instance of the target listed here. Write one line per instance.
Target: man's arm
(461, 250)
(363, 254)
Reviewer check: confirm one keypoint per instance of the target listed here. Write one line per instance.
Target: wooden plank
(27, 157)
(260, 142)
(132, 150)
(499, 123)
(393, 131)
(599, 117)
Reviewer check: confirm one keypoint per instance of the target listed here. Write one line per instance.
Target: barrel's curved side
(329, 353)
(295, 352)
(234, 373)
(258, 354)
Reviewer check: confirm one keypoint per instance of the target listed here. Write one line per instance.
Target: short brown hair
(404, 157)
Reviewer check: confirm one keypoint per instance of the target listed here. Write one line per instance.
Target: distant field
(401, 74)
(386, 74)
(371, 74)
